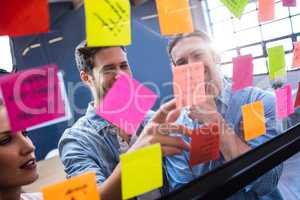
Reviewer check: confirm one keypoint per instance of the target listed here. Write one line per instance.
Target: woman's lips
(29, 165)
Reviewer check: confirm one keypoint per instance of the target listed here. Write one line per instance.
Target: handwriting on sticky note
(126, 104)
(134, 165)
(32, 97)
(276, 58)
(188, 84)
(77, 188)
(297, 101)
(108, 22)
(19, 18)
(253, 120)
(296, 56)
(242, 72)
(284, 101)
(266, 10)
(289, 3)
(170, 11)
(236, 7)
(205, 144)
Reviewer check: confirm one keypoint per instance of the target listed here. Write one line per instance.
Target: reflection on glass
(228, 55)
(276, 29)
(287, 44)
(254, 50)
(249, 36)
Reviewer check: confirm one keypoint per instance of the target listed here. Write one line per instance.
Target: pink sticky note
(266, 10)
(296, 57)
(289, 3)
(297, 100)
(188, 84)
(242, 72)
(32, 97)
(126, 104)
(284, 101)
(205, 144)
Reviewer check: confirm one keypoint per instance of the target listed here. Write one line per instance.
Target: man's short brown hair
(84, 56)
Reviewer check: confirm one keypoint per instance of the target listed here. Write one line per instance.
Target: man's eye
(181, 62)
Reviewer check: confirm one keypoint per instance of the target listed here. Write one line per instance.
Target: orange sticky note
(188, 84)
(174, 16)
(266, 10)
(296, 57)
(253, 120)
(81, 187)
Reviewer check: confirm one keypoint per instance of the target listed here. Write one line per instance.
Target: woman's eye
(24, 133)
(5, 140)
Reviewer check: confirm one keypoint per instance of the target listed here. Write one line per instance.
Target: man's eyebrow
(108, 66)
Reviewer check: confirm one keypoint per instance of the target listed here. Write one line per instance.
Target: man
(224, 107)
(94, 144)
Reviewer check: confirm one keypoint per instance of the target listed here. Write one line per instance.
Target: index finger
(162, 113)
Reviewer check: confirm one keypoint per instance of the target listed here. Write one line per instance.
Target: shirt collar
(226, 93)
(97, 121)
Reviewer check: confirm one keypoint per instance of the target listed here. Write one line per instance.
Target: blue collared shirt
(229, 106)
(92, 144)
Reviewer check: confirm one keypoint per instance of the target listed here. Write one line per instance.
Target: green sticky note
(236, 7)
(141, 171)
(276, 58)
(107, 22)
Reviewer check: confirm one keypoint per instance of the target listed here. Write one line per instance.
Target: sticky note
(296, 56)
(126, 104)
(266, 10)
(188, 84)
(242, 72)
(276, 62)
(141, 171)
(297, 101)
(32, 97)
(107, 22)
(82, 187)
(284, 101)
(19, 18)
(289, 3)
(253, 120)
(178, 11)
(236, 7)
(205, 144)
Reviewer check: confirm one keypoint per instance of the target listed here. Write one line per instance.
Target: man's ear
(86, 77)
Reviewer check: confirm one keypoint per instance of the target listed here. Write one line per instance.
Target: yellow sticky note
(141, 171)
(253, 120)
(107, 22)
(174, 16)
(80, 187)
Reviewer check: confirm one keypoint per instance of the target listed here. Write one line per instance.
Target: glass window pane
(247, 21)
(289, 60)
(223, 35)
(214, 3)
(250, 7)
(227, 70)
(260, 66)
(256, 50)
(219, 14)
(287, 44)
(249, 36)
(280, 11)
(5, 58)
(228, 55)
(296, 24)
(295, 10)
(276, 29)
